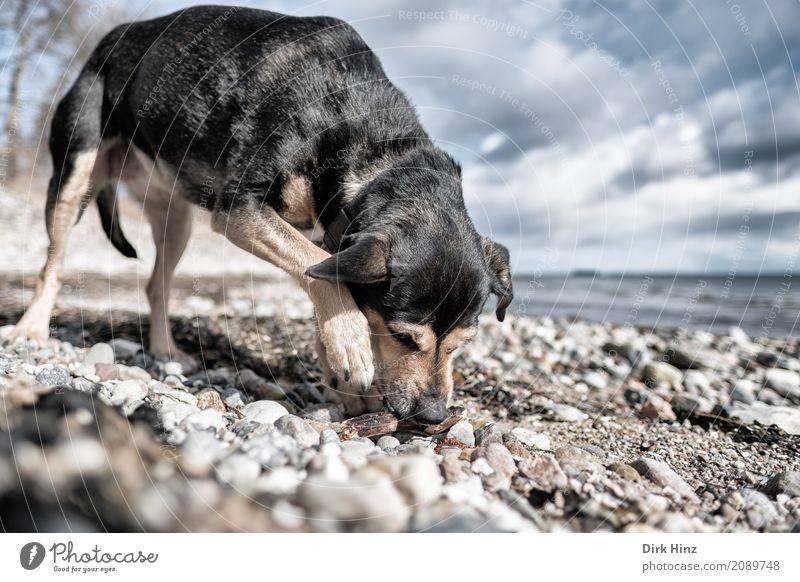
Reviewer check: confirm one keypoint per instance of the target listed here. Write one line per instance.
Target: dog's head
(422, 284)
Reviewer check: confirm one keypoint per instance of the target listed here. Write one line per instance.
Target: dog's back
(216, 90)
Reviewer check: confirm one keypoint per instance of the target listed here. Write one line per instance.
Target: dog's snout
(430, 410)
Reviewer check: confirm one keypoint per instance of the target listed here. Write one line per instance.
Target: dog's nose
(430, 411)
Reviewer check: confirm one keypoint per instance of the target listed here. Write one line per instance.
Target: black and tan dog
(276, 124)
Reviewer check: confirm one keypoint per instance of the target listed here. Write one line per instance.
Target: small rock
(264, 411)
(133, 373)
(165, 393)
(481, 466)
(517, 449)
(173, 368)
(328, 413)
(787, 483)
(533, 439)
(53, 376)
(462, 432)
(328, 435)
(124, 349)
(128, 391)
(210, 398)
(417, 477)
(488, 433)
(574, 461)
(452, 468)
(298, 429)
(655, 373)
(255, 384)
(544, 471)
(199, 452)
(84, 385)
(8, 364)
(739, 336)
(498, 458)
(625, 471)
(272, 449)
(633, 352)
(596, 380)
(204, 420)
(369, 504)
(106, 372)
(656, 408)
(688, 404)
(664, 476)
(86, 371)
(696, 382)
(784, 382)
(238, 471)
(280, 481)
(684, 357)
(566, 413)
(388, 443)
(100, 354)
(744, 391)
(759, 509)
(785, 417)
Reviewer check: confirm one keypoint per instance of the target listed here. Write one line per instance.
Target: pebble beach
(561, 426)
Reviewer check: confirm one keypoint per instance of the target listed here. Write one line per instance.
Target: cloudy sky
(635, 136)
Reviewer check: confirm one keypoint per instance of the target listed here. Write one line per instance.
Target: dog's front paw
(348, 351)
(355, 398)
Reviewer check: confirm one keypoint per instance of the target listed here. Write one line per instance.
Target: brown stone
(544, 472)
(210, 398)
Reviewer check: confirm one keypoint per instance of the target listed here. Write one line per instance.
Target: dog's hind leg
(80, 170)
(171, 222)
(67, 192)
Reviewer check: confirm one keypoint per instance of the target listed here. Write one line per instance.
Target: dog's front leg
(343, 332)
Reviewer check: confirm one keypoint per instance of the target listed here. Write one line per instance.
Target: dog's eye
(406, 339)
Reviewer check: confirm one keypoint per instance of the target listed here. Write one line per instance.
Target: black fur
(109, 217)
(236, 100)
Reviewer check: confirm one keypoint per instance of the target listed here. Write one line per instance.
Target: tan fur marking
(298, 204)
(457, 338)
(422, 335)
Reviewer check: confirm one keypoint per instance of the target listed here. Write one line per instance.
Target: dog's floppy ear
(364, 261)
(497, 259)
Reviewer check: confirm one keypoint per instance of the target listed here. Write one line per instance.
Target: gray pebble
(462, 432)
(53, 376)
(664, 476)
(264, 411)
(127, 391)
(204, 420)
(328, 435)
(388, 443)
(100, 354)
(787, 483)
(298, 429)
(124, 349)
(531, 438)
(239, 470)
(784, 382)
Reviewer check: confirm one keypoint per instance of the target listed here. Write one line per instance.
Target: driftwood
(381, 423)
(368, 425)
